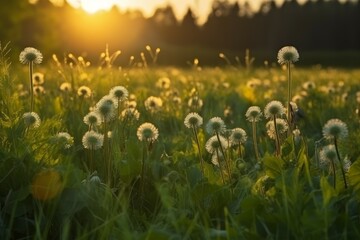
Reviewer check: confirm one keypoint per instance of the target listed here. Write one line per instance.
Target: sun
(93, 6)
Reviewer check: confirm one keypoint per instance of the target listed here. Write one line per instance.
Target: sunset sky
(200, 7)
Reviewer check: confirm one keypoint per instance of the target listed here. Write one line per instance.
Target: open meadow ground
(98, 151)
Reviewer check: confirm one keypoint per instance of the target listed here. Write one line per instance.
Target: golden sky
(200, 7)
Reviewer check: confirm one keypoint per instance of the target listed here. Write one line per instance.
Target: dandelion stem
(106, 155)
(31, 64)
(341, 163)
(198, 146)
(277, 140)
(240, 152)
(221, 172)
(223, 153)
(253, 123)
(289, 97)
(334, 172)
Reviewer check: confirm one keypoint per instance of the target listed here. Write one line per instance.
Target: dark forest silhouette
(314, 26)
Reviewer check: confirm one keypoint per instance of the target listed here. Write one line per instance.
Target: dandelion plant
(30, 56)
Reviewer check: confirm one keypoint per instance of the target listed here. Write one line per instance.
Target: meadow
(101, 151)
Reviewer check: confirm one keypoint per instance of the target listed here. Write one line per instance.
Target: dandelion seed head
(130, 114)
(193, 120)
(38, 78)
(65, 87)
(92, 119)
(31, 119)
(215, 125)
(326, 155)
(253, 114)
(287, 54)
(120, 93)
(106, 107)
(147, 132)
(38, 90)
(274, 109)
(195, 103)
(92, 140)
(213, 144)
(153, 104)
(84, 92)
(65, 139)
(347, 164)
(335, 128)
(163, 83)
(30, 54)
(238, 135)
(281, 126)
(309, 85)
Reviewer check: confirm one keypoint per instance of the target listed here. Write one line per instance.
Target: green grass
(278, 197)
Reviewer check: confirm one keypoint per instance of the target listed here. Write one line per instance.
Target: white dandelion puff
(30, 54)
(147, 132)
(335, 128)
(193, 120)
(31, 119)
(92, 140)
(274, 109)
(215, 125)
(287, 54)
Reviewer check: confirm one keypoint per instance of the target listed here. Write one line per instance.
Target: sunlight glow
(201, 8)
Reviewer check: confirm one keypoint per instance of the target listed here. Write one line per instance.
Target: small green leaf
(273, 166)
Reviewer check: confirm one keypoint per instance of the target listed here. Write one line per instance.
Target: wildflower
(38, 78)
(153, 104)
(335, 128)
(163, 83)
(213, 144)
(84, 92)
(120, 93)
(31, 119)
(215, 125)
(106, 107)
(238, 135)
(147, 132)
(92, 140)
(92, 119)
(287, 54)
(64, 139)
(281, 126)
(30, 54)
(65, 87)
(253, 114)
(273, 109)
(193, 120)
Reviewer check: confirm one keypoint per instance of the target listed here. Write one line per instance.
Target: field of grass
(126, 184)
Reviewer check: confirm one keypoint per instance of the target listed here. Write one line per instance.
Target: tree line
(314, 26)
